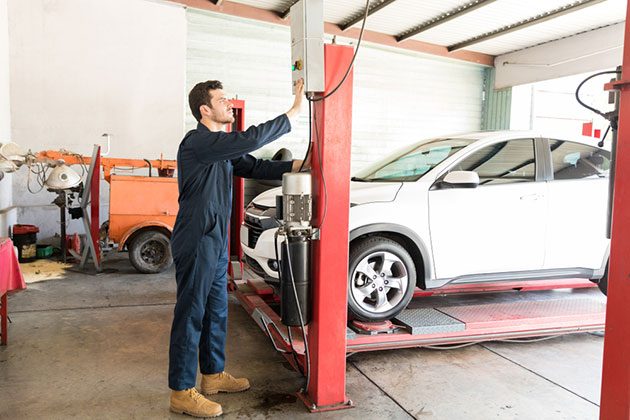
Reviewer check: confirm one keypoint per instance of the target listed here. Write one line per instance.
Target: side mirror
(461, 179)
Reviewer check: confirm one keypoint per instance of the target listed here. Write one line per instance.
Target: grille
(255, 267)
(254, 234)
(256, 226)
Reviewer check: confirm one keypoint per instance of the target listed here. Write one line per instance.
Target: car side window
(501, 163)
(577, 161)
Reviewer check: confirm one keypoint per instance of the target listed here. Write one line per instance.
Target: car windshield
(412, 163)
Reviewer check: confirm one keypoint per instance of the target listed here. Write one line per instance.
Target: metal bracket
(85, 202)
(264, 321)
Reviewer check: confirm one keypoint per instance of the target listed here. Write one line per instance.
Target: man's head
(207, 100)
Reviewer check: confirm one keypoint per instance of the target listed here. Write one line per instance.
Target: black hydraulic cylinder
(279, 207)
(296, 271)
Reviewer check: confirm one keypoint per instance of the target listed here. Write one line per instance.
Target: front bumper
(262, 252)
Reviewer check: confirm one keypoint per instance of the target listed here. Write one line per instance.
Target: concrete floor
(96, 347)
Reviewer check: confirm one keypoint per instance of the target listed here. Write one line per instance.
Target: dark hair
(200, 95)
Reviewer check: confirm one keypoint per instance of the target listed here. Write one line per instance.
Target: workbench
(11, 280)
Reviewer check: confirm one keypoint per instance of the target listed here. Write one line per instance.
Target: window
(577, 161)
(412, 163)
(501, 163)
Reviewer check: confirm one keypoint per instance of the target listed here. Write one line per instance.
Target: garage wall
(81, 68)
(551, 106)
(496, 104)
(7, 213)
(399, 97)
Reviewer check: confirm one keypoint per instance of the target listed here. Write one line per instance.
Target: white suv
(471, 208)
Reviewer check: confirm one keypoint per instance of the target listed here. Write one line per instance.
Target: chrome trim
(548, 274)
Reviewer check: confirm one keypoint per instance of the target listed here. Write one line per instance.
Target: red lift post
(332, 128)
(615, 395)
(238, 204)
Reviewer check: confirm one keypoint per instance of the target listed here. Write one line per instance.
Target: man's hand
(297, 102)
(298, 163)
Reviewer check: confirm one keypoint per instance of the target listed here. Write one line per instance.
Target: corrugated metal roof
(402, 15)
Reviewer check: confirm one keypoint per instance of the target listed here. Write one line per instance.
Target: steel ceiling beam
(359, 17)
(543, 17)
(443, 18)
(285, 13)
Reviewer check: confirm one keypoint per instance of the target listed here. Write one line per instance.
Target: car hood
(360, 193)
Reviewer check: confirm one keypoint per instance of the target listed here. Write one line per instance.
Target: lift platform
(446, 319)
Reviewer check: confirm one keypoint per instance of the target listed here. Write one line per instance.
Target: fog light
(273, 264)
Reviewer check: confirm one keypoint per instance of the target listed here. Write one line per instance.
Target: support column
(615, 396)
(332, 125)
(95, 200)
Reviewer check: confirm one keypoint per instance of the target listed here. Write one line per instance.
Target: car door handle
(531, 197)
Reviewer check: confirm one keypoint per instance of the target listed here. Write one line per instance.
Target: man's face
(221, 110)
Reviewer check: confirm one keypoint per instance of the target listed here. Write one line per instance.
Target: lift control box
(307, 44)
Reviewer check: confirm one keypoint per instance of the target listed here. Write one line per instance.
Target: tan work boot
(191, 402)
(222, 382)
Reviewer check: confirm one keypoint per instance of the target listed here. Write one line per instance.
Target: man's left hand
(298, 163)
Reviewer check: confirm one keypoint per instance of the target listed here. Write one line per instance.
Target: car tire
(150, 252)
(392, 282)
(603, 282)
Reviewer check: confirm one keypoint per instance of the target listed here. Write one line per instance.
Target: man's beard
(229, 120)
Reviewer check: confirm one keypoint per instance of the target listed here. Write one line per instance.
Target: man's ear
(204, 109)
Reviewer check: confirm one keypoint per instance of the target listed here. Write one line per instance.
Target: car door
(499, 226)
(578, 193)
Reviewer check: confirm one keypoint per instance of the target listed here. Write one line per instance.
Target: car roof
(509, 134)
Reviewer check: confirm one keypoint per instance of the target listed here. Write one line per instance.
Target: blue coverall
(206, 161)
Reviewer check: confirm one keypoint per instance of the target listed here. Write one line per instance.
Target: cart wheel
(150, 252)
(382, 278)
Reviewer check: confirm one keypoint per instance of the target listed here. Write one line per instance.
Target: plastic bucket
(25, 239)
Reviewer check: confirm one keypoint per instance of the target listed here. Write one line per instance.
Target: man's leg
(212, 345)
(195, 276)
(214, 329)
(195, 272)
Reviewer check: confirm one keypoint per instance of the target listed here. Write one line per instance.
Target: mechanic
(207, 159)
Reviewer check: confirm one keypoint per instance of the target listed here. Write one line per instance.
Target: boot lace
(225, 375)
(194, 394)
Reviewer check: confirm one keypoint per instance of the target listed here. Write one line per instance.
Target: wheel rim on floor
(153, 252)
(379, 282)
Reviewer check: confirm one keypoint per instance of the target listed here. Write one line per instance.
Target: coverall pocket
(211, 222)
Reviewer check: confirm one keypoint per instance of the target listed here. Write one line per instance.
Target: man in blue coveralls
(207, 159)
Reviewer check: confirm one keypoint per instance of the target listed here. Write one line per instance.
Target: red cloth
(11, 278)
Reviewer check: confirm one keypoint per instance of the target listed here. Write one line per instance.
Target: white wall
(5, 109)
(7, 214)
(81, 68)
(551, 105)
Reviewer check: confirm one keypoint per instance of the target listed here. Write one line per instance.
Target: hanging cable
(293, 353)
(302, 325)
(310, 137)
(606, 115)
(345, 76)
(321, 169)
(312, 119)
(601, 142)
